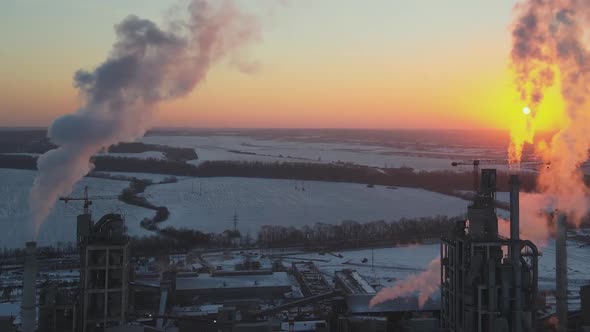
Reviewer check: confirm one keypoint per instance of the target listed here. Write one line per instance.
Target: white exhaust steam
(147, 65)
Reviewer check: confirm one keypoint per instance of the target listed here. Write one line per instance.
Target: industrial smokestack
(515, 252)
(28, 310)
(515, 212)
(561, 271)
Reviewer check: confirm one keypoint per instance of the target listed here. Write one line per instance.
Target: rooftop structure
(353, 283)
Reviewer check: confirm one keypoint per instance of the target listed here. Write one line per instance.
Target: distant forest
(320, 236)
(36, 141)
(440, 181)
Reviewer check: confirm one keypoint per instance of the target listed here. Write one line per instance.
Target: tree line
(352, 234)
(171, 153)
(440, 181)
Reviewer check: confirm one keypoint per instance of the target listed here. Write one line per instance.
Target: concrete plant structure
(104, 272)
(482, 289)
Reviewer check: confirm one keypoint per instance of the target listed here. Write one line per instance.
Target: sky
(323, 64)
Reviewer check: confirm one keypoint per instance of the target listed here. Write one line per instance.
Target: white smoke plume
(550, 46)
(534, 220)
(425, 283)
(147, 65)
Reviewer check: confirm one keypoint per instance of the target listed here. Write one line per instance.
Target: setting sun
(526, 110)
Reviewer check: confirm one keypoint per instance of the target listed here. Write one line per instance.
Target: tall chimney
(561, 271)
(28, 309)
(515, 252)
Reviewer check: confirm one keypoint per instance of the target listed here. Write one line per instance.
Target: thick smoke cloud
(549, 47)
(550, 44)
(147, 65)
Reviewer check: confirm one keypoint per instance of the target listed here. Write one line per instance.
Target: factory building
(488, 283)
(57, 308)
(104, 272)
(482, 289)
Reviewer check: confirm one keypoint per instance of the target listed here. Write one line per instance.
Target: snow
(228, 147)
(140, 155)
(578, 260)
(206, 281)
(61, 223)
(384, 266)
(393, 264)
(10, 309)
(228, 260)
(503, 196)
(155, 178)
(208, 204)
(21, 154)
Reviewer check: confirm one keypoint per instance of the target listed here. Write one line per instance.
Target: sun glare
(526, 110)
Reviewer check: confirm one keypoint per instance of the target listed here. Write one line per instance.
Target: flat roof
(359, 304)
(276, 279)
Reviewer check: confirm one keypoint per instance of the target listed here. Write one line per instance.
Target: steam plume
(534, 225)
(549, 45)
(426, 283)
(533, 69)
(147, 65)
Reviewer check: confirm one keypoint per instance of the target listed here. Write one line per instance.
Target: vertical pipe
(492, 290)
(561, 271)
(515, 253)
(29, 299)
(514, 213)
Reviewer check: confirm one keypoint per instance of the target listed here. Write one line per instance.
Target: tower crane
(477, 162)
(86, 199)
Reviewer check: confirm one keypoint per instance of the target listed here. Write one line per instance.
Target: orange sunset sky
(328, 63)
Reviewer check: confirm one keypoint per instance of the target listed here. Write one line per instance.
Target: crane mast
(86, 199)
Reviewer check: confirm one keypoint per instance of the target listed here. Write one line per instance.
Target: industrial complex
(487, 283)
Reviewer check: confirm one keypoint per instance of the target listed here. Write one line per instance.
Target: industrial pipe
(515, 253)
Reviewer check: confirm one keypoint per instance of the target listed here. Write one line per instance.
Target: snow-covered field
(144, 176)
(141, 155)
(61, 224)
(228, 147)
(209, 204)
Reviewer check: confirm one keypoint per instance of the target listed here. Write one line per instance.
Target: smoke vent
(28, 310)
